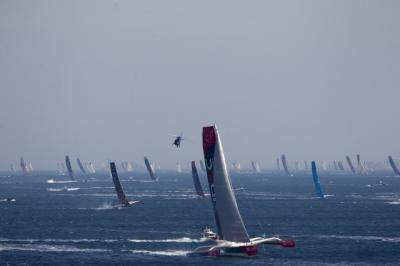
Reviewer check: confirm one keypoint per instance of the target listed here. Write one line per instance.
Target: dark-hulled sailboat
(317, 183)
(393, 165)
(350, 164)
(233, 239)
(284, 164)
(196, 181)
(122, 199)
(149, 168)
(80, 165)
(69, 167)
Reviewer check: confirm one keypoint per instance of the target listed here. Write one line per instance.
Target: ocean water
(358, 224)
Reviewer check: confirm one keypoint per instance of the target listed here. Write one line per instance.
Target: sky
(103, 80)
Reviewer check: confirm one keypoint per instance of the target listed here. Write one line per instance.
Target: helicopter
(178, 139)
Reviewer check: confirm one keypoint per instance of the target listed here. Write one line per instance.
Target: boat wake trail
(47, 248)
(52, 181)
(174, 240)
(105, 206)
(161, 253)
(364, 238)
(63, 189)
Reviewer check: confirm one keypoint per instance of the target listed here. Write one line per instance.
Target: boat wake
(63, 189)
(52, 181)
(173, 240)
(364, 238)
(161, 253)
(397, 202)
(51, 240)
(47, 248)
(105, 206)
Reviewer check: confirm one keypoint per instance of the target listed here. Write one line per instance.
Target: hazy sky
(111, 79)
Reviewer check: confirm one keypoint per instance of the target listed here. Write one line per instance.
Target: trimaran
(233, 239)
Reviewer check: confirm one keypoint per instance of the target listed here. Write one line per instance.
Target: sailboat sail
(229, 222)
(284, 163)
(80, 165)
(317, 184)
(196, 180)
(178, 167)
(24, 168)
(340, 165)
(393, 165)
(350, 164)
(277, 164)
(149, 168)
(203, 168)
(255, 166)
(118, 187)
(69, 167)
(12, 168)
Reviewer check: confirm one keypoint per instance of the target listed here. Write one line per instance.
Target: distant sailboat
(277, 164)
(122, 199)
(91, 167)
(178, 167)
(30, 167)
(69, 167)
(340, 165)
(149, 168)
(59, 169)
(350, 164)
(284, 164)
(233, 239)
(80, 165)
(12, 168)
(317, 183)
(24, 168)
(196, 180)
(256, 167)
(393, 165)
(129, 167)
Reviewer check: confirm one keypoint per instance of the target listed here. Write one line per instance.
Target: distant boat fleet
(231, 238)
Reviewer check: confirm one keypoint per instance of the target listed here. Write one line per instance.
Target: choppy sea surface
(73, 223)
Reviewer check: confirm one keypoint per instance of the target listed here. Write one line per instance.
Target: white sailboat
(233, 239)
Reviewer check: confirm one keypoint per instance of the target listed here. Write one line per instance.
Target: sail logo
(209, 163)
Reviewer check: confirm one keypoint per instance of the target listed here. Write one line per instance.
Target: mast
(227, 216)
